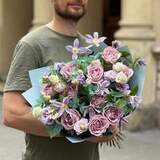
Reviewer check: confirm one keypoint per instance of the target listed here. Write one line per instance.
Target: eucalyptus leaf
(121, 103)
(54, 130)
(134, 90)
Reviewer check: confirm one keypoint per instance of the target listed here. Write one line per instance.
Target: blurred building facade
(136, 23)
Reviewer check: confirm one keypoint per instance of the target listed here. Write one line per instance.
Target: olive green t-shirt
(39, 48)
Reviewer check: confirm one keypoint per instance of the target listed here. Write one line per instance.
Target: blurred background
(136, 23)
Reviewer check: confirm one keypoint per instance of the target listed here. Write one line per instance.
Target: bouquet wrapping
(91, 95)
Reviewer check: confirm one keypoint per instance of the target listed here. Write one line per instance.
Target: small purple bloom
(135, 101)
(58, 66)
(75, 49)
(142, 62)
(124, 88)
(46, 117)
(102, 87)
(95, 39)
(81, 78)
(60, 107)
(110, 75)
(117, 44)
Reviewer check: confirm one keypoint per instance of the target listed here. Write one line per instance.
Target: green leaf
(82, 108)
(74, 103)
(40, 101)
(116, 94)
(127, 110)
(125, 51)
(134, 90)
(54, 130)
(121, 103)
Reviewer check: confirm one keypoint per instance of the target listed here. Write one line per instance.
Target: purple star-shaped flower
(60, 106)
(75, 49)
(95, 39)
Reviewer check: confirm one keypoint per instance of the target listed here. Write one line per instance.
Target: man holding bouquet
(43, 47)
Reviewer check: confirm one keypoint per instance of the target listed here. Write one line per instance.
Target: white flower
(59, 87)
(54, 79)
(121, 78)
(37, 112)
(119, 66)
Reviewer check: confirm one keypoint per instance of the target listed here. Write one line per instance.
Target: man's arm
(17, 114)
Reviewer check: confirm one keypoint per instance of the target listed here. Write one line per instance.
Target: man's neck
(64, 26)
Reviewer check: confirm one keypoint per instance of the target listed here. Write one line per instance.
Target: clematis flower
(60, 107)
(95, 39)
(75, 49)
(81, 126)
(102, 87)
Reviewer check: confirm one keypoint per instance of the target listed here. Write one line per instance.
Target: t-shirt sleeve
(25, 58)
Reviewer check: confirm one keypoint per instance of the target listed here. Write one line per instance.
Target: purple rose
(70, 90)
(128, 72)
(69, 118)
(67, 70)
(98, 125)
(95, 71)
(113, 114)
(47, 90)
(97, 101)
(81, 126)
(111, 55)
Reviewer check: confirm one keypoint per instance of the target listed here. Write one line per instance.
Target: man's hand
(17, 114)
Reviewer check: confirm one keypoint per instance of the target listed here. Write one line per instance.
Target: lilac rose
(47, 90)
(98, 125)
(111, 55)
(69, 118)
(113, 114)
(128, 72)
(95, 71)
(97, 101)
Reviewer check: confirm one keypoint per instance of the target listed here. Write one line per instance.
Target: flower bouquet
(91, 95)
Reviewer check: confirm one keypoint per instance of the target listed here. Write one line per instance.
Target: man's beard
(66, 14)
